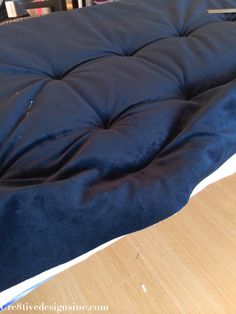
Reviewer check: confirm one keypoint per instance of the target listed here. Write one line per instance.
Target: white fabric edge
(226, 170)
(18, 291)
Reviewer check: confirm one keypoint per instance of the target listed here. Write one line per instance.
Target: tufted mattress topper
(109, 117)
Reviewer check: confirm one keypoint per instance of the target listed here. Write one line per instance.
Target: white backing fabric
(16, 292)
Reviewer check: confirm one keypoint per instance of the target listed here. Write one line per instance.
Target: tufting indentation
(106, 125)
(182, 34)
(57, 77)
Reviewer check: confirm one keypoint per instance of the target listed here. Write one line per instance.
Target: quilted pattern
(109, 117)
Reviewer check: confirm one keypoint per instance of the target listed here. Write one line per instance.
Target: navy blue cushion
(109, 117)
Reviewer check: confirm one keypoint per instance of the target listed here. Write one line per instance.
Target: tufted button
(106, 125)
(182, 35)
(128, 54)
(56, 76)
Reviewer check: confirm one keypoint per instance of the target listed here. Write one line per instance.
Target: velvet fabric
(109, 117)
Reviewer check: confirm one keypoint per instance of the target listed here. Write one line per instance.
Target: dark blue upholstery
(109, 117)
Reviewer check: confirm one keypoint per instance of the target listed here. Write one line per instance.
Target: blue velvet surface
(109, 117)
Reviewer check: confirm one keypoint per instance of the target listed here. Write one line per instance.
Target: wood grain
(185, 264)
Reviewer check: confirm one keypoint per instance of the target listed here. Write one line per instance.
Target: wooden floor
(185, 264)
